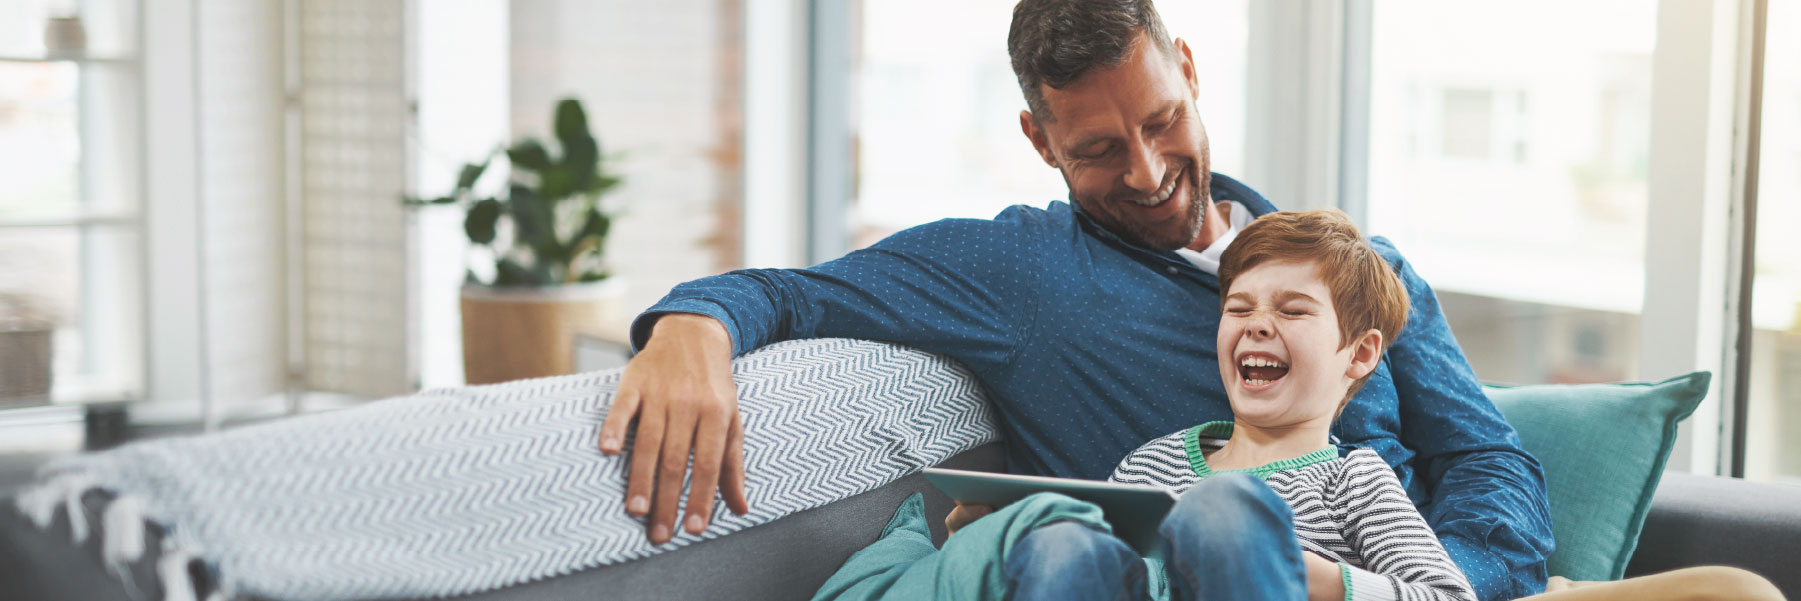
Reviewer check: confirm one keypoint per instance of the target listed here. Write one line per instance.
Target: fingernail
(659, 534)
(695, 524)
(610, 444)
(638, 505)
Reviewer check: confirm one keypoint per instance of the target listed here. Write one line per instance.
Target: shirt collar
(1207, 260)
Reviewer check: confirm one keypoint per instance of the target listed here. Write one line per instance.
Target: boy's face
(1279, 347)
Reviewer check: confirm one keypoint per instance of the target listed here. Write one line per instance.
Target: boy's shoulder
(1362, 467)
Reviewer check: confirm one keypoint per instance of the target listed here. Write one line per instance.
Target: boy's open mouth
(1258, 369)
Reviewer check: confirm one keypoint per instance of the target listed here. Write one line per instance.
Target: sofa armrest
(1710, 520)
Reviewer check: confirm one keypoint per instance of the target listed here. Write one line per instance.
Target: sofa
(1615, 513)
(1694, 520)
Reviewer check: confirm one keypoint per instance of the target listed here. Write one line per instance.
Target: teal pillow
(1603, 447)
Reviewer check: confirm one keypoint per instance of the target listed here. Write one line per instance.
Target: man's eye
(1293, 313)
(1237, 310)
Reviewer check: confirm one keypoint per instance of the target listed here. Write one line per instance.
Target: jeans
(1228, 537)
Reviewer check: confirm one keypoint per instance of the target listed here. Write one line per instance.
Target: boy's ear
(1366, 352)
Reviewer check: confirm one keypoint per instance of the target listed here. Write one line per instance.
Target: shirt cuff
(642, 325)
(1364, 585)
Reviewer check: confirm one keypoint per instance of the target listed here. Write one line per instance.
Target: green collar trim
(1197, 460)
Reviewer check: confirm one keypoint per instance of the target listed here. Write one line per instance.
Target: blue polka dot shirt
(1088, 346)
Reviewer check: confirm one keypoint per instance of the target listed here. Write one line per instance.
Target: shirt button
(1172, 271)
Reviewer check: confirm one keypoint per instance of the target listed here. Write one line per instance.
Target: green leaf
(479, 223)
(556, 182)
(441, 200)
(571, 121)
(535, 224)
(594, 276)
(510, 273)
(581, 152)
(602, 184)
(596, 226)
(530, 155)
(470, 173)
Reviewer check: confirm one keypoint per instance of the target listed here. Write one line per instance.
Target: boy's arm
(1487, 495)
(1402, 558)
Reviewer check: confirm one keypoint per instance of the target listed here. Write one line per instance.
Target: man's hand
(680, 388)
(962, 515)
(1324, 582)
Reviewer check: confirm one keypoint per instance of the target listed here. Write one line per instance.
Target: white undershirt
(1208, 260)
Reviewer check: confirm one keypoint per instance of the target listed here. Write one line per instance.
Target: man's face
(1131, 147)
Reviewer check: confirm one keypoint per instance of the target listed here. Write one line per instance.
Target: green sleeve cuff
(1364, 585)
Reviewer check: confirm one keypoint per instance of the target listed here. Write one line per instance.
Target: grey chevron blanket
(464, 490)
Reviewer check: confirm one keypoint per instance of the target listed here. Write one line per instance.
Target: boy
(1308, 309)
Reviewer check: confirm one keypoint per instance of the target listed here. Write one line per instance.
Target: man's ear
(1029, 127)
(1185, 57)
(1366, 352)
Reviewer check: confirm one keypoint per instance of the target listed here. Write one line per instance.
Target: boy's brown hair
(1365, 291)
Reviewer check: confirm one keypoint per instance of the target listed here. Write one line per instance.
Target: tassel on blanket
(40, 502)
(122, 537)
(178, 584)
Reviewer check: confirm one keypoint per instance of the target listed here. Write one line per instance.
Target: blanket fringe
(39, 503)
(178, 585)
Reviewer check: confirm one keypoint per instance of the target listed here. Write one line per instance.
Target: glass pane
(40, 141)
(1513, 175)
(105, 28)
(1772, 452)
(40, 289)
(938, 132)
(80, 287)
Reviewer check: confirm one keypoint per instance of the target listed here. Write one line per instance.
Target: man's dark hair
(1055, 42)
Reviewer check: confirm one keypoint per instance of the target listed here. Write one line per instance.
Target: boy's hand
(962, 515)
(1324, 582)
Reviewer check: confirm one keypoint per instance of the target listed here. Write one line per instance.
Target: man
(1090, 324)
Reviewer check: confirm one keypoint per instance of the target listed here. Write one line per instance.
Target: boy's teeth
(1256, 382)
(1261, 362)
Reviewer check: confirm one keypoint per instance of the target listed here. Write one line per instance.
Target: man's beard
(1146, 236)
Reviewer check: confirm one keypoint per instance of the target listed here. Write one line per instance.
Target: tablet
(1134, 510)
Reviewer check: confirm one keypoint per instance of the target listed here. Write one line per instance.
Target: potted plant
(546, 238)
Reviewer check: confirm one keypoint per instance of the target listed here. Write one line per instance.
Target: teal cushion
(1603, 447)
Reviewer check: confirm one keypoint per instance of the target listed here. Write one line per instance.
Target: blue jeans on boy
(1228, 537)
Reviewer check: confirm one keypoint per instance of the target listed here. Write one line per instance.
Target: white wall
(648, 74)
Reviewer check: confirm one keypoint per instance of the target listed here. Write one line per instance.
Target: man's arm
(1487, 501)
(964, 288)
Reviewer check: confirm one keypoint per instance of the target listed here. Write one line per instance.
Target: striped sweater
(1351, 508)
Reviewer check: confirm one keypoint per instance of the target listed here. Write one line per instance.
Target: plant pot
(516, 333)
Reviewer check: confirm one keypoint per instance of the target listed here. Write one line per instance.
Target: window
(70, 239)
(937, 115)
(1513, 175)
(1772, 452)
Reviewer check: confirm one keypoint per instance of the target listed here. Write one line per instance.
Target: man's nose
(1145, 173)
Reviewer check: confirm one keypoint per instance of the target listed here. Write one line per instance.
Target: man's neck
(1217, 222)
(1252, 446)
